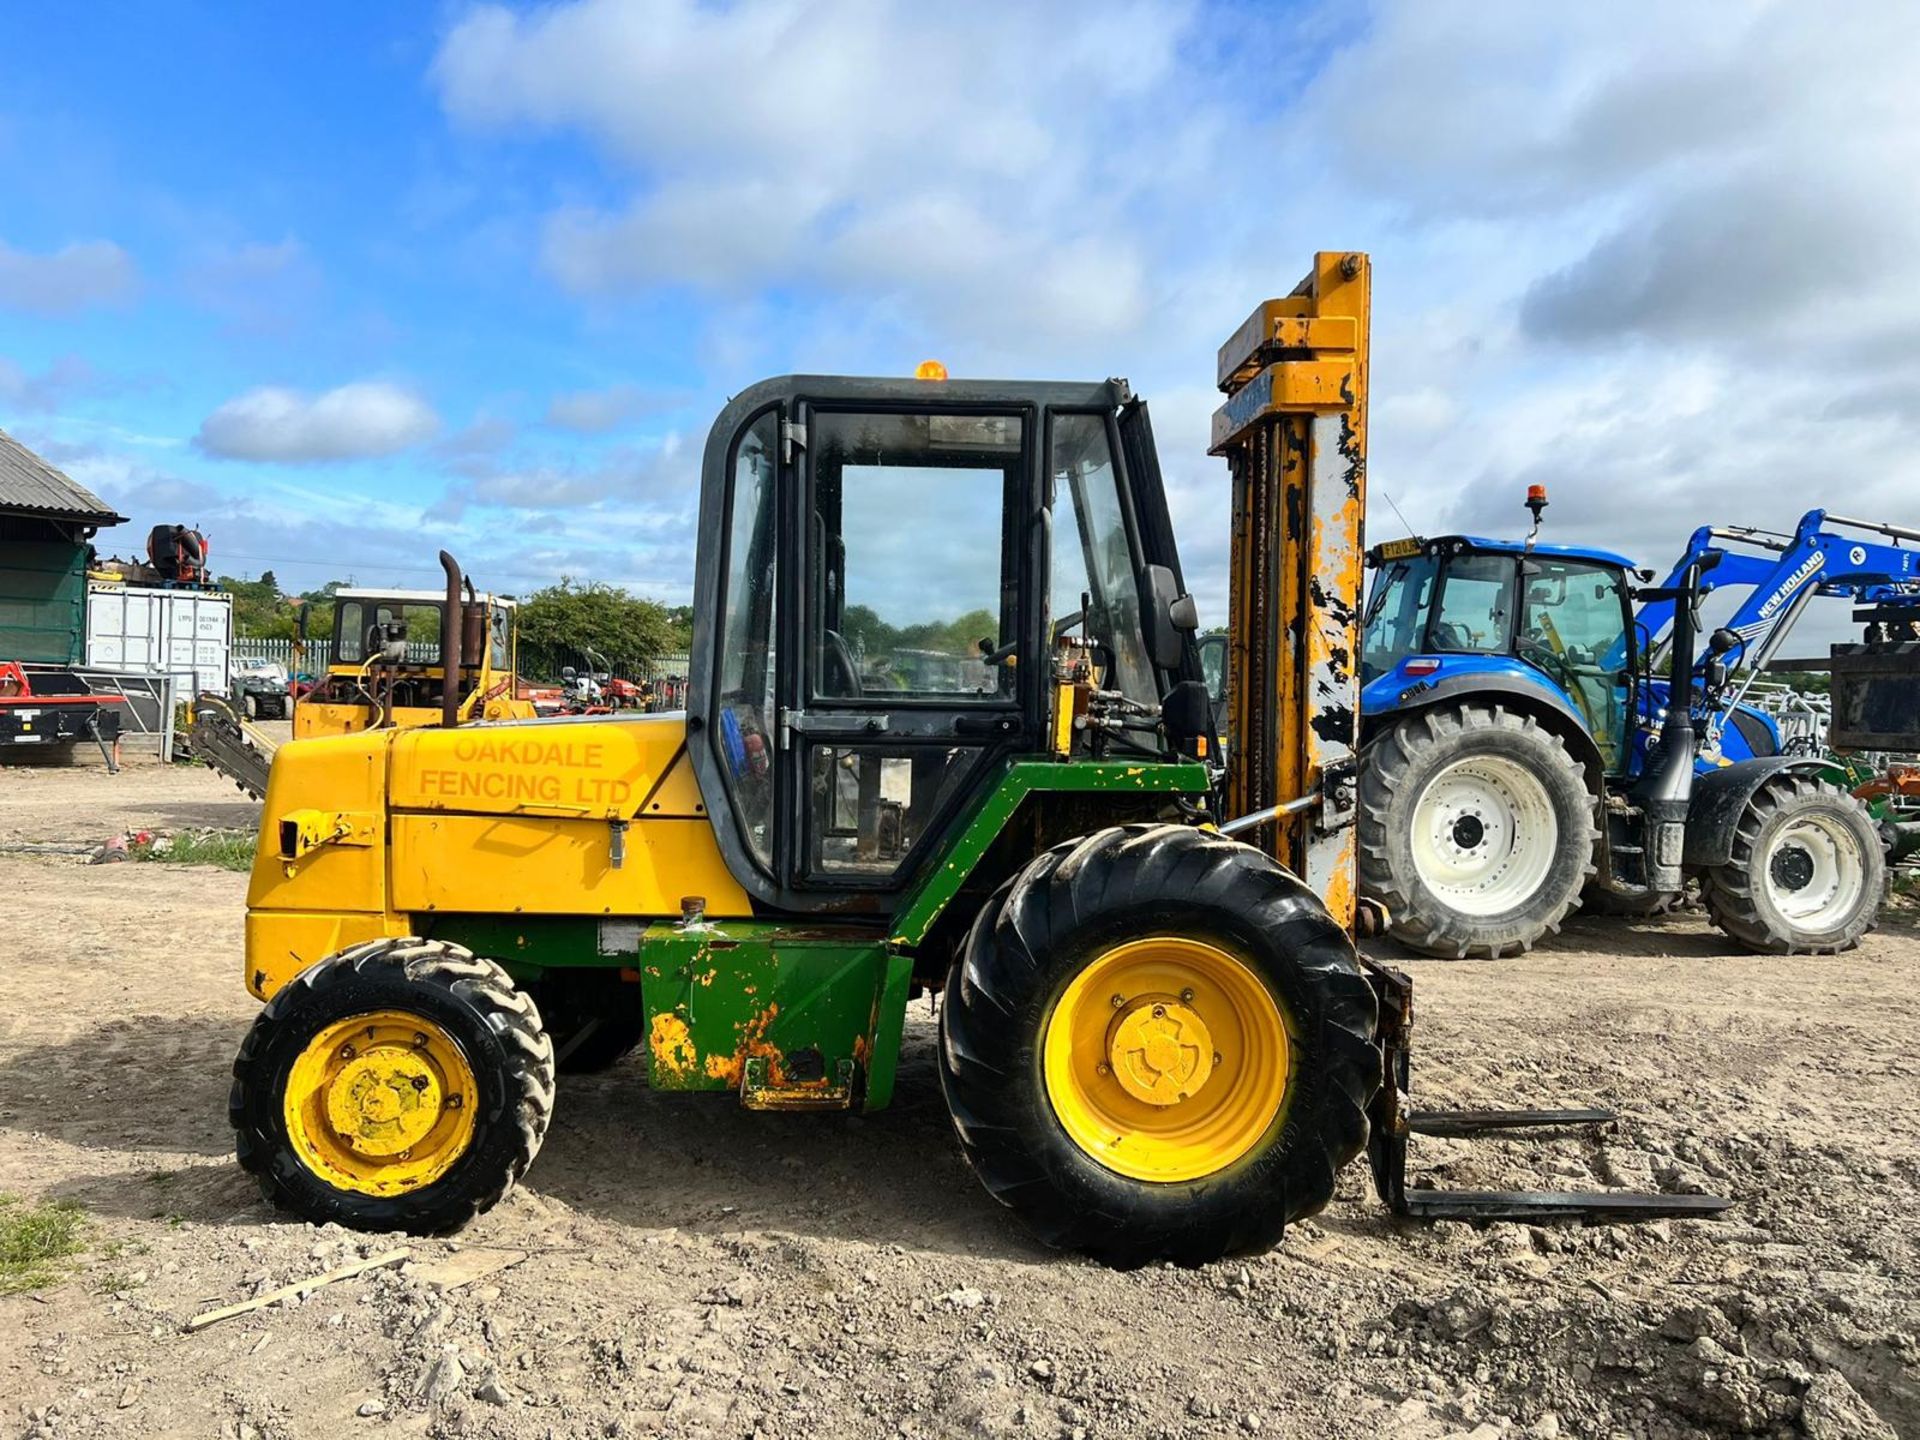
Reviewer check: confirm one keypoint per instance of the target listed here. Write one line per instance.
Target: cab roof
(1519, 547)
(413, 597)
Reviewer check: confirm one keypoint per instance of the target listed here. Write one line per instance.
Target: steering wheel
(840, 671)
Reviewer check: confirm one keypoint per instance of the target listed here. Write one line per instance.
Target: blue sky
(405, 276)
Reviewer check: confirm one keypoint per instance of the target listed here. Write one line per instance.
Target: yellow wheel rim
(381, 1103)
(1167, 1059)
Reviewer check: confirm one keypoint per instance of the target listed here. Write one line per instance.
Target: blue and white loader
(1521, 751)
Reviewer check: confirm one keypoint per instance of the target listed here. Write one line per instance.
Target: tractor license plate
(1400, 549)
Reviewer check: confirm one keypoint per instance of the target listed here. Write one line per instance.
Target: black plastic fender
(1720, 798)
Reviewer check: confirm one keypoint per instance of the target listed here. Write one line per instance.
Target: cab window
(1573, 622)
(1093, 558)
(1475, 610)
(356, 621)
(1397, 618)
(744, 698)
(910, 562)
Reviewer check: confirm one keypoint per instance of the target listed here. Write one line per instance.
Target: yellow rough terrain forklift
(946, 731)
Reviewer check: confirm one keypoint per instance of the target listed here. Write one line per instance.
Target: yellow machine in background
(388, 647)
(388, 667)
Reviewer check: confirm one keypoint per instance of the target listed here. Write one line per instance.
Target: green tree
(260, 611)
(681, 618)
(558, 623)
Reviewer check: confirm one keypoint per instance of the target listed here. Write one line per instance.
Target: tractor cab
(907, 573)
(1550, 624)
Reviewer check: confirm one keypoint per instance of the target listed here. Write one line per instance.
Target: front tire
(1214, 1103)
(399, 1085)
(1475, 832)
(1807, 873)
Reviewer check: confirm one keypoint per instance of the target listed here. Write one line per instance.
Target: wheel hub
(1167, 1058)
(1792, 868)
(1483, 835)
(1160, 1050)
(384, 1103)
(381, 1103)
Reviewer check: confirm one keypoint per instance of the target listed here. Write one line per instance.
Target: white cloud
(259, 288)
(60, 381)
(963, 167)
(84, 273)
(661, 473)
(593, 412)
(1663, 258)
(356, 421)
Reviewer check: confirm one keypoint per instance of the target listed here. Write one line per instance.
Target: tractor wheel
(1807, 873)
(1156, 1043)
(593, 1017)
(398, 1085)
(1476, 830)
(250, 705)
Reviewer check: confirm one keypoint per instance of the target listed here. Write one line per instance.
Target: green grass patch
(227, 849)
(35, 1239)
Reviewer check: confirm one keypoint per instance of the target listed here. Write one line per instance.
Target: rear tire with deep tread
(1061, 913)
(498, 1030)
(1736, 893)
(1394, 771)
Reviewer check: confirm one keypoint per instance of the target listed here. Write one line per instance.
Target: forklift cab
(1550, 624)
(875, 630)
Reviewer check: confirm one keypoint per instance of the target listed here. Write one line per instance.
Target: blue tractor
(1520, 751)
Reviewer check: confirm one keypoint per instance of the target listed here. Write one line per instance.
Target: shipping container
(187, 634)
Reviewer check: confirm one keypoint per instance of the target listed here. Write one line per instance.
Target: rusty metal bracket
(759, 1092)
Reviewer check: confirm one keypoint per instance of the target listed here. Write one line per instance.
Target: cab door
(910, 534)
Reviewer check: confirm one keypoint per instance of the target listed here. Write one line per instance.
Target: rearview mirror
(1170, 617)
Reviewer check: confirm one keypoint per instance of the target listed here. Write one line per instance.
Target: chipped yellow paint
(672, 1044)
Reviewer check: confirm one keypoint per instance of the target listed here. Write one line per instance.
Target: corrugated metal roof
(30, 486)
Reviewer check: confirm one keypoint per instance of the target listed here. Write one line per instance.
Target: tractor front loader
(945, 732)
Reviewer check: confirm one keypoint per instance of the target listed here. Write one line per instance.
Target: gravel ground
(680, 1267)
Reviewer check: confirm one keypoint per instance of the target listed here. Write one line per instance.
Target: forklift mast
(1294, 434)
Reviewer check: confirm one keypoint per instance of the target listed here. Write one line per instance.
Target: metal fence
(658, 671)
(319, 652)
(151, 697)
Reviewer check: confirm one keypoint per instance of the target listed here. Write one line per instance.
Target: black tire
(1739, 895)
(250, 705)
(1064, 910)
(593, 1017)
(474, 1001)
(1396, 770)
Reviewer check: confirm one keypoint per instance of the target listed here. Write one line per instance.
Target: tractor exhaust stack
(451, 633)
